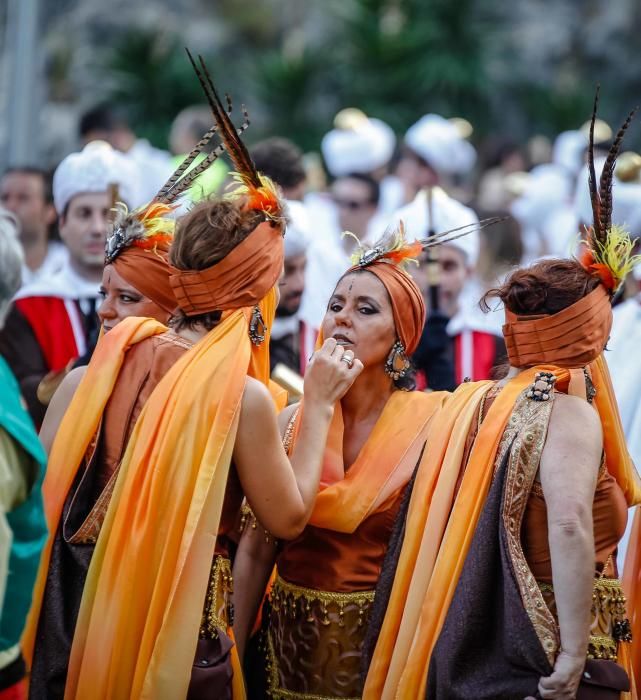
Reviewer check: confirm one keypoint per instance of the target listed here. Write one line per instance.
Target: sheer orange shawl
(140, 613)
(439, 532)
(632, 587)
(76, 431)
(384, 464)
(141, 609)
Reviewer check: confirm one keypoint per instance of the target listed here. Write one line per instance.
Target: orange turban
(570, 338)
(408, 306)
(241, 279)
(148, 270)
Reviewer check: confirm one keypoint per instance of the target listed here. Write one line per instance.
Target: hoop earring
(397, 364)
(257, 327)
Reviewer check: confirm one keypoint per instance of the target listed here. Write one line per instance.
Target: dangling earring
(257, 327)
(397, 364)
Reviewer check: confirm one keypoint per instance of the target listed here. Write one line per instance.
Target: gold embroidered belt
(609, 624)
(313, 642)
(218, 613)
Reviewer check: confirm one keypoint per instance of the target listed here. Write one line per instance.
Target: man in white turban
(459, 341)
(53, 322)
(435, 151)
(292, 341)
(546, 213)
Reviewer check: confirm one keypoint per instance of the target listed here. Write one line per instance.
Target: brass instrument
(291, 381)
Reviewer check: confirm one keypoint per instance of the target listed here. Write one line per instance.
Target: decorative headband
(393, 247)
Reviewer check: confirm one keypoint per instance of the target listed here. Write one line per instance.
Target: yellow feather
(616, 253)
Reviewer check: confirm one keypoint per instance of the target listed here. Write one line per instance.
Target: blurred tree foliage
(296, 64)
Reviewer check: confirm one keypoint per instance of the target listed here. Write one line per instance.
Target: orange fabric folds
(632, 588)
(76, 431)
(241, 279)
(439, 531)
(571, 338)
(141, 610)
(408, 306)
(383, 466)
(148, 271)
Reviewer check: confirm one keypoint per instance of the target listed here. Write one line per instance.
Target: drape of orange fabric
(632, 588)
(428, 512)
(76, 431)
(412, 624)
(384, 464)
(141, 609)
(618, 460)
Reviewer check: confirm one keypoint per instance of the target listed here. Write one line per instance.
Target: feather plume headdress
(607, 251)
(144, 228)
(394, 248)
(259, 192)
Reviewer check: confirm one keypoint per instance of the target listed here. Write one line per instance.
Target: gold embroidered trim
(218, 612)
(288, 437)
(286, 595)
(602, 647)
(88, 532)
(248, 519)
(609, 623)
(528, 425)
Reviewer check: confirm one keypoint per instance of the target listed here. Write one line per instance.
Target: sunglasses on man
(352, 204)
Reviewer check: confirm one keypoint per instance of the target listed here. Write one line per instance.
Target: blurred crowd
(432, 179)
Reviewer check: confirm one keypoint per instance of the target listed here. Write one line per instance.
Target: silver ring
(348, 360)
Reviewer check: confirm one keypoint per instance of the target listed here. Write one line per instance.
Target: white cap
(548, 187)
(298, 231)
(439, 142)
(569, 149)
(447, 214)
(626, 201)
(94, 169)
(363, 145)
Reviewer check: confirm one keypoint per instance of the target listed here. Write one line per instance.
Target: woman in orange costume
(135, 283)
(315, 619)
(158, 584)
(507, 581)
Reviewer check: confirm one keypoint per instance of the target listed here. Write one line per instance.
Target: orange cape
(439, 532)
(632, 588)
(76, 431)
(142, 603)
(384, 464)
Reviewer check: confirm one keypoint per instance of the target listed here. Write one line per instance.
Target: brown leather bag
(602, 680)
(212, 672)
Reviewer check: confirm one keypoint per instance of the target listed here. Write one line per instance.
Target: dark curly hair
(547, 287)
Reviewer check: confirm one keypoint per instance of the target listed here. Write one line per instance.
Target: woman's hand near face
(330, 373)
(282, 491)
